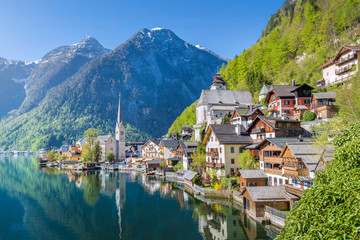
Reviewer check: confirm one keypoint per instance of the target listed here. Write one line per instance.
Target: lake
(48, 204)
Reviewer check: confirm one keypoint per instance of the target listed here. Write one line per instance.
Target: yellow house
(74, 153)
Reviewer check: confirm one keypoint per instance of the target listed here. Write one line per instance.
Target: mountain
(56, 66)
(13, 76)
(157, 73)
(301, 36)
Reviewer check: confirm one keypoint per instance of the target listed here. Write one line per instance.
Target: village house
(299, 162)
(223, 144)
(270, 127)
(340, 68)
(270, 161)
(256, 198)
(244, 115)
(151, 149)
(186, 130)
(183, 152)
(322, 104)
(282, 99)
(189, 177)
(216, 102)
(74, 153)
(167, 147)
(251, 178)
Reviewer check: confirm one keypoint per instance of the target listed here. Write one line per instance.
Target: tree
(178, 166)
(198, 158)
(110, 157)
(97, 152)
(90, 136)
(309, 116)
(247, 160)
(162, 164)
(329, 210)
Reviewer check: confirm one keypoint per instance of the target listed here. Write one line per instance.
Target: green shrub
(309, 116)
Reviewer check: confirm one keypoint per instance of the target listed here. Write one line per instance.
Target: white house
(151, 149)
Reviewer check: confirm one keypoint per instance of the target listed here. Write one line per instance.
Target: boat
(150, 173)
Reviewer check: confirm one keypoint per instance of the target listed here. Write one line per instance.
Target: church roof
(225, 97)
(104, 138)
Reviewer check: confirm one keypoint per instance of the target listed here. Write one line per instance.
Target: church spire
(119, 116)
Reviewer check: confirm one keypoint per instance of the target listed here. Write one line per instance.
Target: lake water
(51, 204)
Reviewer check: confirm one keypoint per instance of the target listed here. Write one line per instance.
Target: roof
(281, 142)
(64, 148)
(180, 172)
(225, 97)
(308, 153)
(324, 95)
(173, 159)
(264, 90)
(328, 63)
(345, 49)
(190, 144)
(189, 175)
(155, 161)
(156, 141)
(285, 90)
(271, 122)
(253, 173)
(221, 108)
(301, 107)
(170, 143)
(226, 134)
(218, 79)
(252, 146)
(269, 193)
(104, 138)
(82, 141)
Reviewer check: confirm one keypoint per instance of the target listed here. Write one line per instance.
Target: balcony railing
(271, 109)
(343, 69)
(209, 164)
(258, 130)
(219, 165)
(345, 59)
(212, 154)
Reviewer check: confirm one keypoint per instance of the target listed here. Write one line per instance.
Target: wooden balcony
(212, 154)
(209, 164)
(296, 171)
(345, 59)
(258, 130)
(293, 190)
(276, 171)
(272, 109)
(219, 165)
(343, 70)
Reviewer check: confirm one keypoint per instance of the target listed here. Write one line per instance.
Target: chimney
(293, 82)
(238, 129)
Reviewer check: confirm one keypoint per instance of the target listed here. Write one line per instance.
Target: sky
(30, 29)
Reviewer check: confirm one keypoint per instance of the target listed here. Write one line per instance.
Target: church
(110, 144)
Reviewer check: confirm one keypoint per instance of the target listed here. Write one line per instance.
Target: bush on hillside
(309, 116)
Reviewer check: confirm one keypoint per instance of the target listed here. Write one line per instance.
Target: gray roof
(324, 95)
(245, 111)
(64, 148)
(189, 175)
(155, 161)
(308, 153)
(252, 173)
(226, 134)
(190, 144)
(82, 141)
(264, 89)
(156, 141)
(102, 139)
(281, 142)
(301, 107)
(225, 97)
(170, 143)
(269, 193)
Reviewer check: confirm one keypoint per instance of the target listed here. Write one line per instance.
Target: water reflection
(55, 204)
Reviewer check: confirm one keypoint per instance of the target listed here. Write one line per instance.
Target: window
(212, 139)
(220, 150)
(306, 101)
(240, 150)
(287, 111)
(286, 103)
(232, 161)
(232, 149)
(288, 125)
(278, 103)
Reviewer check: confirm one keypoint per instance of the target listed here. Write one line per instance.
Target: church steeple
(120, 133)
(119, 116)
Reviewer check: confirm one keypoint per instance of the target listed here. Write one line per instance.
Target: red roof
(328, 63)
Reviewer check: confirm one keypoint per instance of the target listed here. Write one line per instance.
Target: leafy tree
(110, 157)
(90, 136)
(198, 180)
(178, 166)
(225, 183)
(97, 152)
(163, 164)
(199, 158)
(247, 160)
(309, 116)
(329, 210)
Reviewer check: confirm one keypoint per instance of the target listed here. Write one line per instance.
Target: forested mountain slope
(301, 36)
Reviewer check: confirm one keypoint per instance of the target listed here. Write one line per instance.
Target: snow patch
(22, 80)
(156, 29)
(199, 47)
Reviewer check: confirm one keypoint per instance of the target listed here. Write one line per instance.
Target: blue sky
(29, 29)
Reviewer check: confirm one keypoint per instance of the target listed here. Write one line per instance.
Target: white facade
(150, 150)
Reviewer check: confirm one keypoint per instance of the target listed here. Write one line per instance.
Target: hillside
(301, 36)
(157, 73)
(187, 117)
